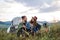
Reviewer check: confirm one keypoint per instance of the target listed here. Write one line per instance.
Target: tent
(14, 24)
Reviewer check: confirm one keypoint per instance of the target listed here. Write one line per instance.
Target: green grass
(53, 34)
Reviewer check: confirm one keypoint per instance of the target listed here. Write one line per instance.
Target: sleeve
(28, 25)
(20, 25)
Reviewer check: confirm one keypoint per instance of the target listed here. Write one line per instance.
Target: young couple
(31, 27)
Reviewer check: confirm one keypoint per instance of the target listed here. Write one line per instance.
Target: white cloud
(56, 3)
(45, 16)
(45, 5)
(53, 6)
(10, 10)
(10, 0)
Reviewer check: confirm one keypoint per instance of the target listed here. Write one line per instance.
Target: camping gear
(14, 25)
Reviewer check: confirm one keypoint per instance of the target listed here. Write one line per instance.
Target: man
(22, 26)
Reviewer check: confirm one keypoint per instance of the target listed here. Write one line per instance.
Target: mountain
(42, 22)
(5, 24)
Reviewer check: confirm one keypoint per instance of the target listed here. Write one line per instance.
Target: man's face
(25, 19)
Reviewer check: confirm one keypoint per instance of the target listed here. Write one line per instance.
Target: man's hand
(24, 27)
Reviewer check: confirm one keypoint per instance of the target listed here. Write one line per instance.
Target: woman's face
(32, 20)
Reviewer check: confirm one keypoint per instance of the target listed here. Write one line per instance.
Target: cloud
(33, 3)
(54, 6)
(29, 2)
(9, 10)
(9, 1)
(45, 5)
(38, 5)
(49, 17)
(14, 8)
(42, 5)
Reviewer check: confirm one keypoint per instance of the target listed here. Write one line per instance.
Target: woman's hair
(33, 22)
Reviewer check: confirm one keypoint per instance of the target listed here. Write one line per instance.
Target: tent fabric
(15, 22)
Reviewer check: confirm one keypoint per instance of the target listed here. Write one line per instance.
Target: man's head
(24, 18)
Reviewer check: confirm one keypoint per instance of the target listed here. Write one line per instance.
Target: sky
(45, 10)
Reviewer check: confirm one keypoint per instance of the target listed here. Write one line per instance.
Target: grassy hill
(53, 34)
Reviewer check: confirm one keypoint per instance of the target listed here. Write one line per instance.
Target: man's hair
(23, 17)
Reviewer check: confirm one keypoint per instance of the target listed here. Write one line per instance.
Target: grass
(53, 34)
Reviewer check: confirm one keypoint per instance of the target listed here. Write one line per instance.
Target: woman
(33, 25)
(36, 26)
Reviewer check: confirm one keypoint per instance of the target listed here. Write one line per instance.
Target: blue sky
(14, 8)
